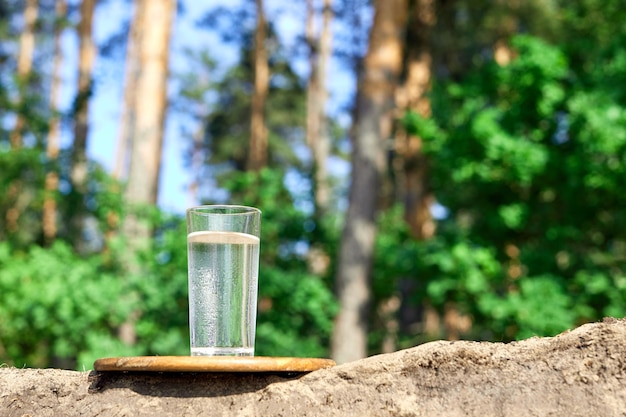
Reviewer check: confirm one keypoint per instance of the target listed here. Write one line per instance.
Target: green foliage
(50, 299)
(58, 305)
(396, 254)
(21, 186)
(530, 166)
(61, 308)
(295, 317)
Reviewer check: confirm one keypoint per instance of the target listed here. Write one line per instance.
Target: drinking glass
(223, 254)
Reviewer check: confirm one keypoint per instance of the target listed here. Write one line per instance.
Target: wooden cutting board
(212, 364)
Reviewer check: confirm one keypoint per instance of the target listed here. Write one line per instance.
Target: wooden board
(211, 364)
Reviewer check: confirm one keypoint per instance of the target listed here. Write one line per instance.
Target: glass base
(222, 351)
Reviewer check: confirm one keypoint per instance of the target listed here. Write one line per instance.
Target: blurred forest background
(485, 198)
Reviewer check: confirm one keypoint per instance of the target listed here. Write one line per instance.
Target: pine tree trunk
(152, 26)
(375, 103)
(317, 136)
(24, 64)
(79, 170)
(312, 119)
(412, 95)
(316, 128)
(147, 121)
(257, 157)
(127, 117)
(322, 150)
(52, 146)
(411, 165)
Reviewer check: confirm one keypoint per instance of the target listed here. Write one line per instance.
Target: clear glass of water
(223, 254)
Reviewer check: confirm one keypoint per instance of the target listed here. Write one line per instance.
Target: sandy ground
(578, 373)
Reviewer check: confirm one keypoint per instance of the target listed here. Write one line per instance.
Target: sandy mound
(578, 373)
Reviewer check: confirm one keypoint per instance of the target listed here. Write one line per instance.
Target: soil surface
(578, 373)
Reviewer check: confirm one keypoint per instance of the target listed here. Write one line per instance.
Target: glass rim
(213, 209)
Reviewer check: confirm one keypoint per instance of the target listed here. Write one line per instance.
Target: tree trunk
(411, 165)
(79, 170)
(312, 97)
(412, 95)
(52, 146)
(24, 65)
(127, 115)
(322, 150)
(373, 126)
(153, 22)
(316, 127)
(257, 157)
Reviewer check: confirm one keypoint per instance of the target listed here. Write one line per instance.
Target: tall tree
(375, 102)
(24, 64)
(317, 131)
(410, 164)
(318, 138)
(127, 114)
(122, 156)
(54, 134)
(413, 96)
(257, 156)
(154, 21)
(79, 170)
